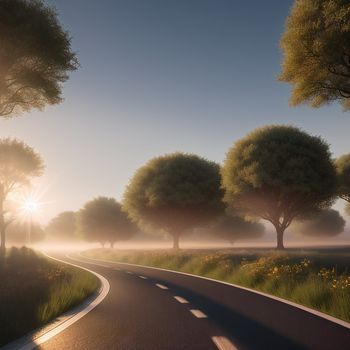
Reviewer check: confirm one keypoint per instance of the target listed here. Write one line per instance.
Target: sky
(160, 76)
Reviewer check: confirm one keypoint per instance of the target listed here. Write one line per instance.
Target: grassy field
(317, 279)
(35, 289)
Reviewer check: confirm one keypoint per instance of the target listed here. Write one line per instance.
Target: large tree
(327, 223)
(175, 193)
(316, 49)
(343, 172)
(35, 56)
(63, 226)
(234, 228)
(18, 164)
(279, 173)
(103, 220)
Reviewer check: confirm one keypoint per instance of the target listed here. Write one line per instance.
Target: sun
(30, 206)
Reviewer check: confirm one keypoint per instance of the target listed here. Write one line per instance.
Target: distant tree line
(276, 173)
(279, 174)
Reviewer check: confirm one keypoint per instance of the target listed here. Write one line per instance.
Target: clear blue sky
(159, 76)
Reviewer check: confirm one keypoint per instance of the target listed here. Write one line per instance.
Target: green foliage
(233, 228)
(63, 226)
(18, 164)
(327, 223)
(175, 193)
(279, 173)
(316, 48)
(70, 287)
(318, 280)
(35, 56)
(343, 172)
(103, 220)
(35, 289)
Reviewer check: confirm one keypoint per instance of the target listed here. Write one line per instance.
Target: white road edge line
(32, 342)
(143, 277)
(129, 272)
(161, 286)
(181, 300)
(284, 301)
(223, 343)
(198, 313)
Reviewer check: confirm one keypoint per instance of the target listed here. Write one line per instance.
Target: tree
(343, 172)
(316, 49)
(35, 56)
(103, 220)
(327, 223)
(279, 173)
(233, 228)
(18, 164)
(175, 193)
(63, 226)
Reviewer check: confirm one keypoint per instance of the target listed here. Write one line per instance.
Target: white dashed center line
(129, 272)
(198, 313)
(181, 300)
(143, 277)
(223, 343)
(161, 286)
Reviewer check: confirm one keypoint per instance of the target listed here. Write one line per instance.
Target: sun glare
(30, 206)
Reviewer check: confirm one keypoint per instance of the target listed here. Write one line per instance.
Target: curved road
(149, 309)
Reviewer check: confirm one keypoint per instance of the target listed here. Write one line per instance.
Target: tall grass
(35, 289)
(319, 281)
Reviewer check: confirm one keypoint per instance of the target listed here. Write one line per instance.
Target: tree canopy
(19, 163)
(103, 220)
(343, 172)
(327, 223)
(279, 173)
(233, 228)
(316, 52)
(63, 226)
(175, 193)
(35, 56)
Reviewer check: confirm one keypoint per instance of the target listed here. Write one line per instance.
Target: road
(149, 309)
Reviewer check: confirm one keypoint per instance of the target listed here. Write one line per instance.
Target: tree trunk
(280, 233)
(2, 226)
(3, 246)
(112, 244)
(176, 242)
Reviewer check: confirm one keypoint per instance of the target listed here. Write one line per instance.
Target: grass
(35, 289)
(319, 280)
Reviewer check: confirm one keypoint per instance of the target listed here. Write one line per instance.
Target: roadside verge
(33, 339)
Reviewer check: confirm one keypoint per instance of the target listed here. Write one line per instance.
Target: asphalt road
(148, 310)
